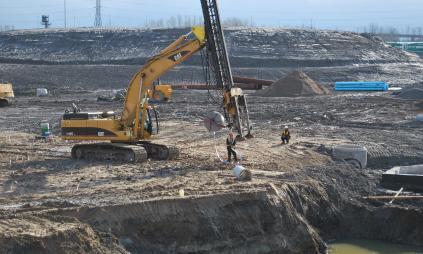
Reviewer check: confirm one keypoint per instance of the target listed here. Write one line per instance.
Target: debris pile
(117, 95)
(412, 94)
(41, 92)
(294, 84)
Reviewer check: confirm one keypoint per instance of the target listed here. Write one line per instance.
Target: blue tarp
(361, 86)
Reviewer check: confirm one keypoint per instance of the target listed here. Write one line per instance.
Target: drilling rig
(234, 101)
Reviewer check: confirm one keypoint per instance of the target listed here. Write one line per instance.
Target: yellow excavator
(161, 92)
(128, 133)
(6, 94)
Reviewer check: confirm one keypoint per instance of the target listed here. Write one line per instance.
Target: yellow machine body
(162, 92)
(138, 120)
(6, 94)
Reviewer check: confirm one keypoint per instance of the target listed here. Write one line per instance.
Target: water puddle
(371, 247)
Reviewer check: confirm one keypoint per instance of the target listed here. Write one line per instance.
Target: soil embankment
(247, 47)
(298, 198)
(108, 58)
(294, 84)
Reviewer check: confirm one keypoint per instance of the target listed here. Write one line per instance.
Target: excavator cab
(151, 124)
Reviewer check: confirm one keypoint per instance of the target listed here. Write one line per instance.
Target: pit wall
(255, 222)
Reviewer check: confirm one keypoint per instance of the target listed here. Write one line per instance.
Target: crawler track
(4, 102)
(110, 152)
(160, 152)
(128, 153)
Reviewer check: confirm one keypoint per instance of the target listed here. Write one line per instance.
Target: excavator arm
(176, 53)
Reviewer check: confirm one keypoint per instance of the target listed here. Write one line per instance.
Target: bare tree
(172, 22)
(373, 28)
(187, 22)
(235, 22)
(179, 18)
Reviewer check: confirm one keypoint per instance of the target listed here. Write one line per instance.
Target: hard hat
(286, 127)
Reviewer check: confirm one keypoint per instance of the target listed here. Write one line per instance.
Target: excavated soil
(39, 234)
(297, 200)
(295, 84)
(412, 94)
(76, 58)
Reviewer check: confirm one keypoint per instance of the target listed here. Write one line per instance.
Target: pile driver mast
(234, 101)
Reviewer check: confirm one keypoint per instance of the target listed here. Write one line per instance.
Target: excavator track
(160, 152)
(110, 152)
(4, 102)
(128, 153)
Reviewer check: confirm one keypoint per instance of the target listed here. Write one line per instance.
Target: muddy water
(371, 247)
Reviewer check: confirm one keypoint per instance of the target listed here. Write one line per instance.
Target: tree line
(180, 21)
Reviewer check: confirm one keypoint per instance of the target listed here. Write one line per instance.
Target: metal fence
(416, 47)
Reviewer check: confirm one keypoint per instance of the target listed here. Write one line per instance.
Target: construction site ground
(297, 200)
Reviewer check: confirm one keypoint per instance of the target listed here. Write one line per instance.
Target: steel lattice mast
(97, 21)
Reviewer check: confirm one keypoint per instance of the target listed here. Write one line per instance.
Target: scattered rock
(117, 95)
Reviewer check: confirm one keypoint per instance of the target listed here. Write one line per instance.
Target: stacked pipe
(241, 82)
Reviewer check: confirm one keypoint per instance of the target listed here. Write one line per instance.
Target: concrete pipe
(353, 154)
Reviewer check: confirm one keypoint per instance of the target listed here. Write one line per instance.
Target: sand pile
(296, 83)
(412, 94)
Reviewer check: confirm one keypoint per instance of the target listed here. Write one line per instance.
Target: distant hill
(107, 59)
(247, 47)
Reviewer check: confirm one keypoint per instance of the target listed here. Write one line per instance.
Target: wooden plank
(393, 197)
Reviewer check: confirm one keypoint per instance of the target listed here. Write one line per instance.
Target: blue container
(361, 86)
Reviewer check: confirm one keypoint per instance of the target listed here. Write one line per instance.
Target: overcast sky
(331, 14)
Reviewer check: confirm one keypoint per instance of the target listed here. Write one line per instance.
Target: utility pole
(64, 10)
(97, 21)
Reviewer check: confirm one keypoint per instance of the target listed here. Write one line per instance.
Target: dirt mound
(32, 234)
(295, 84)
(412, 94)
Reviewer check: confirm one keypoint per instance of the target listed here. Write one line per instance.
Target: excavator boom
(176, 53)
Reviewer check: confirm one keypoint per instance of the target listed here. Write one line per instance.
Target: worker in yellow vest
(285, 136)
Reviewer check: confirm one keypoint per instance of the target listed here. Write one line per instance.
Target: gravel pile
(294, 84)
